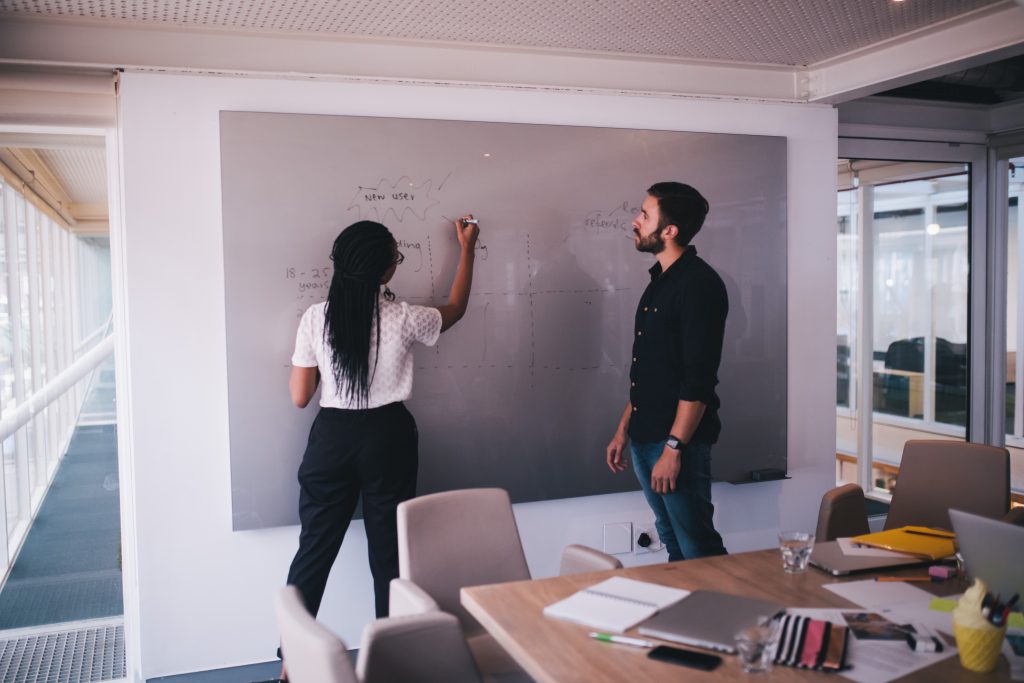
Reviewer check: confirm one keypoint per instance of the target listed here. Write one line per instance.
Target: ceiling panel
(81, 172)
(781, 32)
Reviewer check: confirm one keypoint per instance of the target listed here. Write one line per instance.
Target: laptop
(708, 619)
(992, 550)
(829, 557)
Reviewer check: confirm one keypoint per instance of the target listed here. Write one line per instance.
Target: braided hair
(362, 254)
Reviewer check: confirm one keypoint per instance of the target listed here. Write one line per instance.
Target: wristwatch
(674, 442)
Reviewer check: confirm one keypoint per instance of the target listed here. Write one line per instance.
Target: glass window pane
(1014, 317)
(920, 315)
(918, 232)
(847, 302)
(7, 398)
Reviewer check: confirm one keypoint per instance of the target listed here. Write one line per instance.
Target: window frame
(982, 308)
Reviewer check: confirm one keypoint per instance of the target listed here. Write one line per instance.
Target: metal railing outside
(26, 415)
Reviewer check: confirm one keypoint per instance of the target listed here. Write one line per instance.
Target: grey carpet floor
(68, 568)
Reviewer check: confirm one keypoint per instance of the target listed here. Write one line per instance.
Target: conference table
(557, 651)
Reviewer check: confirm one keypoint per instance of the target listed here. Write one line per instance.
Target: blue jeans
(684, 518)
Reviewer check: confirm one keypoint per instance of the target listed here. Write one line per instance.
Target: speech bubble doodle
(396, 198)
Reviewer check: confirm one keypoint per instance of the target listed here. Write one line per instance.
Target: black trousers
(351, 453)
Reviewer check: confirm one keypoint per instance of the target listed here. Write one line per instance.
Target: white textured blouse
(391, 376)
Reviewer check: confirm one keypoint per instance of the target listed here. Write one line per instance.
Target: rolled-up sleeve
(704, 309)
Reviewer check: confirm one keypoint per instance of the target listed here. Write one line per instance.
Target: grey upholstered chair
(934, 477)
(422, 648)
(450, 540)
(938, 475)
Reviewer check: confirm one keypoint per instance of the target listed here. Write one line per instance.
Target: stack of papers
(615, 604)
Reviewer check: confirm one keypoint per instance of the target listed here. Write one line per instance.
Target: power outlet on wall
(645, 538)
(618, 538)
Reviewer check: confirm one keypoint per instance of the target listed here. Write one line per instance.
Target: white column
(863, 365)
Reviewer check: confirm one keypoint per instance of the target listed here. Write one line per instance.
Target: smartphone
(691, 658)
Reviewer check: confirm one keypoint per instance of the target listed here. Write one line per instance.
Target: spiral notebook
(615, 604)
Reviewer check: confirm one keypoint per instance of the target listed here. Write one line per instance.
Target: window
(1014, 301)
(903, 227)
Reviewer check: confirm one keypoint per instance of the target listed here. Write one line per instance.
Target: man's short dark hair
(682, 206)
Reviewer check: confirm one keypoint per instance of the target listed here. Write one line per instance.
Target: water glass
(756, 645)
(796, 547)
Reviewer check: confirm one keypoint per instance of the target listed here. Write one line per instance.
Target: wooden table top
(557, 651)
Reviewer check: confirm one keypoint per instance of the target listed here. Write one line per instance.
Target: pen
(621, 640)
(903, 578)
(936, 534)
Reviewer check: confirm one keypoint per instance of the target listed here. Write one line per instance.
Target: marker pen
(621, 640)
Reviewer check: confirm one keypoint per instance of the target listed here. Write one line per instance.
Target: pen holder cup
(979, 647)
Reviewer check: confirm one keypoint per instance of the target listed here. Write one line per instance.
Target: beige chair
(422, 648)
(842, 514)
(450, 540)
(579, 559)
(934, 477)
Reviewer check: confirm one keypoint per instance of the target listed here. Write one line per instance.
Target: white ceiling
(775, 32)
(783, 50)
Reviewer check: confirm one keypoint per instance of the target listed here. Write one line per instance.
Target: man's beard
(652, 244)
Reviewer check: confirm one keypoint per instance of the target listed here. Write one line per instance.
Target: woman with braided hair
(358, 347)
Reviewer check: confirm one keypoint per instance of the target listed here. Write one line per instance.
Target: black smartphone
(691, 658)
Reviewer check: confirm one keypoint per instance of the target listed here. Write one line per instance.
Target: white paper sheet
(871, 593)
(1016, 660)
(877, 661)
(896, 601)
(851, 549)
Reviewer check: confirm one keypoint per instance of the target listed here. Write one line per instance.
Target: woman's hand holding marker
(467, 229)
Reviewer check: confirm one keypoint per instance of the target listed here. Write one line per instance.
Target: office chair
(450, 540)
(938, 475)
(579, 559)
(934, 477)
(422, 648)
(842, 514)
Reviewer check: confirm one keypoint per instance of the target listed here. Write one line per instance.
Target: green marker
(621, 640)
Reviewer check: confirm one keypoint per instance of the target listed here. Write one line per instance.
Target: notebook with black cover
(708, 619)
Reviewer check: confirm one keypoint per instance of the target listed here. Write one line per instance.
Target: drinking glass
(755, 645)
(796, 547)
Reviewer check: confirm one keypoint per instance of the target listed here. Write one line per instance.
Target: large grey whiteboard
(525, 392)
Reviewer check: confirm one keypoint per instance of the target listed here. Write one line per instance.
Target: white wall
(204, 593)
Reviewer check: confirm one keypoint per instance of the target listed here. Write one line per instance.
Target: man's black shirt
(677, 347)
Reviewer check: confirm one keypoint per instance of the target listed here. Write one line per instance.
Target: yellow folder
(922, 541)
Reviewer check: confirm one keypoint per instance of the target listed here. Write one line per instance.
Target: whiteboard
(525, 392)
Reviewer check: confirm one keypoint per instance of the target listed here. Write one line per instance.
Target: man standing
(672, 414)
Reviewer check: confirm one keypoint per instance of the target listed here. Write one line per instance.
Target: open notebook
(615, 604)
